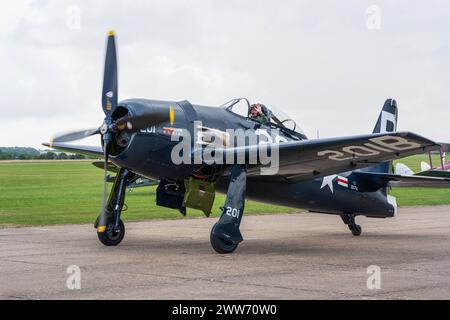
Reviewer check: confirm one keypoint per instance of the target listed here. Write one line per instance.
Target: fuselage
(149, 154)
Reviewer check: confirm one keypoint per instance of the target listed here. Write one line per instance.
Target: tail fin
(424, 166)
(387, 122)
(403, 170)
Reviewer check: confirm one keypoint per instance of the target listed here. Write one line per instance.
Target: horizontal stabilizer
(396, 180)
(434, 173)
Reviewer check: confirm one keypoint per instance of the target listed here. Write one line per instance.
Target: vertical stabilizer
(387, 122)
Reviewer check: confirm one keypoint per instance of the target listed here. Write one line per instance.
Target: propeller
(109, 103)
(111, 128)
(77, 135)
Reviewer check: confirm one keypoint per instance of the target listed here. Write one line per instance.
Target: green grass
(70, 192)
(413, 162)
(47, 193)
(421, 196)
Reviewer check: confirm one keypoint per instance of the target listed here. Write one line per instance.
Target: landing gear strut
(349, 220)
(225, 235)
(110, 228)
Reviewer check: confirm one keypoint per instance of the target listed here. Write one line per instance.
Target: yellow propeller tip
(111, 33)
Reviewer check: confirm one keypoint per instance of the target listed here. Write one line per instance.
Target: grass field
(45, 193)
(421, 196)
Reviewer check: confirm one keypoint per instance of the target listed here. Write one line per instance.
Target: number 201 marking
(232, 212)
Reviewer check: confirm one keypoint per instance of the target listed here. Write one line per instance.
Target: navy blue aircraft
(346, 176)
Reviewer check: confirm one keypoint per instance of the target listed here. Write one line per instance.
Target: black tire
(222, 246)
(356, 230)
(111, 237)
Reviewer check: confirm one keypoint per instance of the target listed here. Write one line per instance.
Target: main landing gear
(225, 235)
(349, 220)
(110, 228)
(112, 236)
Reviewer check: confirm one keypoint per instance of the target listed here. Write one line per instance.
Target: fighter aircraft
(346, 176)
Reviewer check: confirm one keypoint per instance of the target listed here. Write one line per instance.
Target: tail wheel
(356, 229)
(112, 236)
(222, 246)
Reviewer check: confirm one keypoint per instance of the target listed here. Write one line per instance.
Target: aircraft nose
(144, 113)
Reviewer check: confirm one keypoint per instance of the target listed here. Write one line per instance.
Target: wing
(139, 181)
(143, 182)
(86, 150)
(305, 160)
(111, 166)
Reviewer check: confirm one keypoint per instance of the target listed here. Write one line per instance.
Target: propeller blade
(110, 89)
(137, 123)
(76, 135)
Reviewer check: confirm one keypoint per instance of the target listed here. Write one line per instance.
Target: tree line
(26, 153)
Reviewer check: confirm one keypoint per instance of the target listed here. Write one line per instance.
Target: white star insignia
(328, 181)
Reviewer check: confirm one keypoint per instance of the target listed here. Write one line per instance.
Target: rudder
(387, 122)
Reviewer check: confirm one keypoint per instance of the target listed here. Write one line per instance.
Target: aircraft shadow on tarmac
(327, 243)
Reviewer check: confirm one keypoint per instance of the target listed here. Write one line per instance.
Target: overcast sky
(328, 64)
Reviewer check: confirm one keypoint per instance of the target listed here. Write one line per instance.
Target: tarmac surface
(288, 256)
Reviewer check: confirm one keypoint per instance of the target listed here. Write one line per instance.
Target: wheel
(111, 237)
(222, 246)
(355, 229)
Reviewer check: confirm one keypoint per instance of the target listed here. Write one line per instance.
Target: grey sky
(315, 60)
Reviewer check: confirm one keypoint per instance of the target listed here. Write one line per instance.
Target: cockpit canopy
(241, 107)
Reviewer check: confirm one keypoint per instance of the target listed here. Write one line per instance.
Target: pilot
(257, 113)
